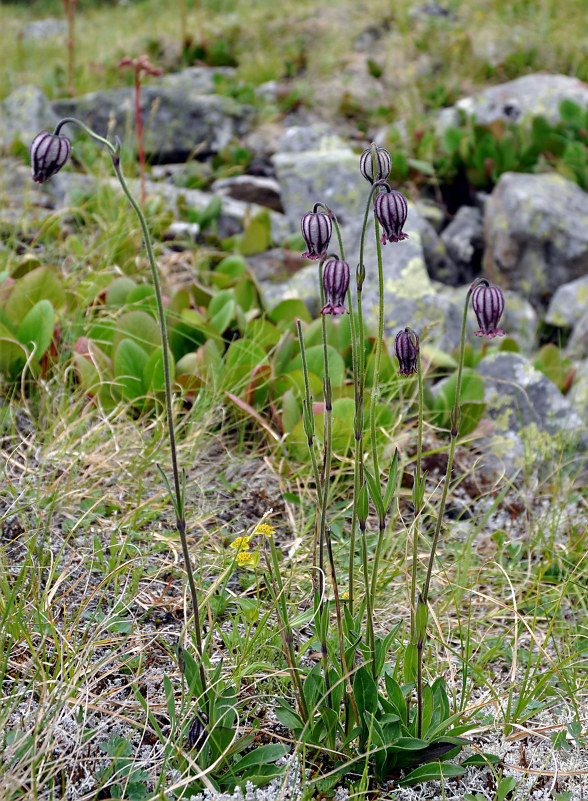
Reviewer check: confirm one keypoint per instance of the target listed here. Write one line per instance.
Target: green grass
(92, 594)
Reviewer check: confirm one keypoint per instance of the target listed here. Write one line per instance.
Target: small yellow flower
(240, 543)
(345, 596)
(245, 559)
(265, 530)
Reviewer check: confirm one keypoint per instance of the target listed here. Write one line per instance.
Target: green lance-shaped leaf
(37, 327)
(375, 494)
(392, 482)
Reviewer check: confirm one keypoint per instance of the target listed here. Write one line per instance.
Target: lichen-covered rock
(24, 113)
(579, 391)
(516, 100)
(176, 121)
(577, 346)
(536, 233)
(569, 304)
(535, 428)
(464, 241)
(439, 264)
(519, 321)
(328, 172)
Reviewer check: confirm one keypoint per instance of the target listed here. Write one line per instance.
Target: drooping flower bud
(49, 153)
(406, 347)
(316, 229)
(488, 303)
(391, 209)
(383, 164)
(335, 284)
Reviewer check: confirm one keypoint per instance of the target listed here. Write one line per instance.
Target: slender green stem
(178, 490)
(348, 688)
(378, 360)
(308, 420)
(288, 636)
(455, 420)
(359, 387)
(417, 496)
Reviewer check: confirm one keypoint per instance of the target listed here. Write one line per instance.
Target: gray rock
(23, 114)
(577, 346)
(329, 175)
(176, 122)
(230, 222)
(524, 97)
(182, 231)
(251, 189)
(578, 395)
(519, 321)
(302, 138)
(536, 232)
(195, 80)
(439, 265)
(569, 304)
(464, 241)
(534, 427)
(48, 28)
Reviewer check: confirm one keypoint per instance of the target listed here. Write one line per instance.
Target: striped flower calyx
(335, 284)
(49, 153)
(383, 164)
(391, 209)
(406, 348)
(488, 304)
(316, 227)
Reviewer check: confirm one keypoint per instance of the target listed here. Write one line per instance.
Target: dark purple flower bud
(391, 209)
(488, 303)
(316, 229)
(406, 347)
(335, 284)
(49, 153)
(383, 164)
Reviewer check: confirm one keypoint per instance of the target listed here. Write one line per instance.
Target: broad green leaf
(224, 317)
(316, 365)
(153, 373)
(140, 328)
(233, 266)
(291, 410)
(257, 236)
(12, 354)
(365, 691)
(37, 328)
(117, 292)
(288, 311)
(481, 760)
(261, 755)
(40, 284)
(431, 772)
(471, 402)
(130, 361)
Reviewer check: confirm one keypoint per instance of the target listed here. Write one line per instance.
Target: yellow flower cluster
(265, 530)
(245, 557)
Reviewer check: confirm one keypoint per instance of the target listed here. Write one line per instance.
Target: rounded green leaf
(130, 361)
(37, 328)
(140, 328)
(40, 284)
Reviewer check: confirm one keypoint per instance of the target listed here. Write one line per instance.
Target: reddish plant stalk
(69, 6)
(141, 66)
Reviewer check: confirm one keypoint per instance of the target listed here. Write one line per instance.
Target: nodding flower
(391, 209)
(406, 347)
(383, 164)
(488, 304)
(316, 227)
(335, 284)
(49, 153)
